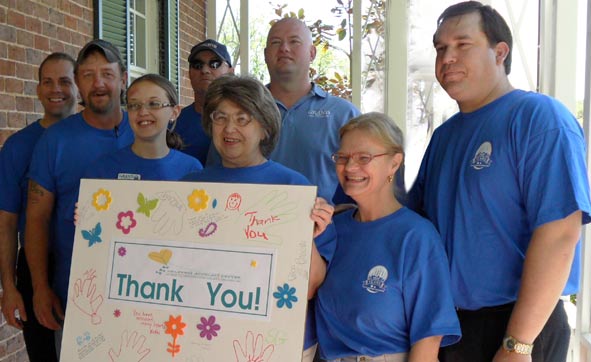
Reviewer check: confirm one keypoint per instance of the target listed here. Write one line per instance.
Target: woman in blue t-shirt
(152, 107)
(242, 119)
(386, 295)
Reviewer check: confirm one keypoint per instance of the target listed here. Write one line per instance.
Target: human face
(289, 49)
(202, 78)
(57, 90)
(467, 67)
(237, 145)
(150, 124)
(100, 84)
(369, 181)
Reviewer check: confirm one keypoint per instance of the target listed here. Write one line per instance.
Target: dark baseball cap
(214, 46)
(110, 51)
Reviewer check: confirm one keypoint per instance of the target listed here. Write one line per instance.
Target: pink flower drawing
(125, 221)
(208, 328)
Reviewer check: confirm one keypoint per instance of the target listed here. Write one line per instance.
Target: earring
(390, 178)
(171, 125)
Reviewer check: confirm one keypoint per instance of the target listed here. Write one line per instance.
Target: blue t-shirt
(489, 178)
(273, 173)
(387, 287)
(58, 163)
(15, 157)
(124, 164)
(309, 136)
(189, 127)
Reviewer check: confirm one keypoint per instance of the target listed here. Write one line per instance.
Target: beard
(103, 108)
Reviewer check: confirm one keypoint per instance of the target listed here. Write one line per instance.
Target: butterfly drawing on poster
(146, 205)
(93, 235)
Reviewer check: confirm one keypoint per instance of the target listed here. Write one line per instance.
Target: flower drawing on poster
(174, 327)
(285, 296)
(208, 327)
(126, 221)
(101, 200)
(198, 200)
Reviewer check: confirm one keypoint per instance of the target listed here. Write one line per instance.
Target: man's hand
(12, 302)
(47, 305)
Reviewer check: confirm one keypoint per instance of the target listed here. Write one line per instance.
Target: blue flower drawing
(285, 296)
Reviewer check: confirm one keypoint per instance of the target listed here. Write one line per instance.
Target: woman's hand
(321, 215)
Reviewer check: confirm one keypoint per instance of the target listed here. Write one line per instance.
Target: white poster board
(184, 271)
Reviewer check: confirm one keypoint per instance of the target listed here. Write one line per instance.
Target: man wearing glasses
(208, 61)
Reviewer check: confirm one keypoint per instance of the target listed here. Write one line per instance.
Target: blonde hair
(383, 129)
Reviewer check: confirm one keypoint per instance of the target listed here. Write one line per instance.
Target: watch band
(510, 344)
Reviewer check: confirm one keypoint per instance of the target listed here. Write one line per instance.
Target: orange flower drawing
(101, 200)
(174, 327)
(198, 200)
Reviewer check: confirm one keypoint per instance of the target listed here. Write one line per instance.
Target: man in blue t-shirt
(311, 118)
(504, 182)
(57, 165)
(57, 93)
(208, 61)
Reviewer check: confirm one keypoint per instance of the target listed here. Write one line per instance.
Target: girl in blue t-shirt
(386, 295)
(152, 107)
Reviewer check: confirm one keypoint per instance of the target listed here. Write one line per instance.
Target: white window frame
(151, 33)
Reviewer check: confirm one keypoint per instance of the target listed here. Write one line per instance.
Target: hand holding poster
(188, 272)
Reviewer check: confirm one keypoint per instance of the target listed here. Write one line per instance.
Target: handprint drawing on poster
(169, 215)
(86, 298)
(131, 348)
(253, 349)
(264, 215)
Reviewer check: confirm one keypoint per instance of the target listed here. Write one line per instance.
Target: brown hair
(253, 97)
(173, 139)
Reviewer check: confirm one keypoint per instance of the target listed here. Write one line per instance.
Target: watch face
(510, 344)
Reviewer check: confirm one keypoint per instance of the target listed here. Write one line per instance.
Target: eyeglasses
(222, 119)
(212, 64)
(150, 105)
(360, 158)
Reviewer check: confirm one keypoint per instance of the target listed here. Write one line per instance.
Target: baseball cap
(214, 46)
(110, 51)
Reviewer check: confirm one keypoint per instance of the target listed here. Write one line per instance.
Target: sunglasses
(212, 64)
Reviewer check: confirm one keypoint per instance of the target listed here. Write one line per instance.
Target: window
(146, 33)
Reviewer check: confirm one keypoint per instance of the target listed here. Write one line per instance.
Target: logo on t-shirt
(482, 157)
(128, 176)
(376, 279)
(319, 113)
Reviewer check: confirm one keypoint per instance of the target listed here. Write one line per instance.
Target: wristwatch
(510, 344)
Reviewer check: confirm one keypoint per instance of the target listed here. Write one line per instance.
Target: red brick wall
(31, 29)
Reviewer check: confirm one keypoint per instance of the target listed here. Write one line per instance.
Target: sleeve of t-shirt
(9, 181)
(553, 178)
(326, 243)
(414, 197)
(42, 166)
(428, 301)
